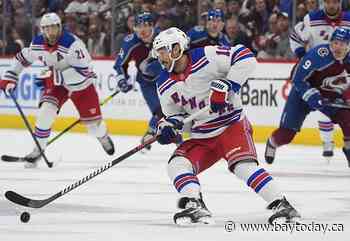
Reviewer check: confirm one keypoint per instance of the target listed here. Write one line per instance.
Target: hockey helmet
(216, 14)
(145, 17)
(341, 34)
(49, 19)
(167, 39)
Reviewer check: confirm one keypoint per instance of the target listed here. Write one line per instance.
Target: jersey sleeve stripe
(236, 53)
(218, 123)
(246, 56)
(241, 54)
(204, 63)
(166, 85)
(296, 38)
(22, 59)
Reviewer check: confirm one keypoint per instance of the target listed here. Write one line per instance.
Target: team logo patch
(121, 53)
(129, 37)
(322, 52)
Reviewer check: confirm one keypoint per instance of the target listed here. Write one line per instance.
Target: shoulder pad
(317, 15)
(195, 34)
(196, 54)
(38, 40)
(198, 28)
(322, 51)
(346, 16)
(163, 76)
(66, 40)
(129, 37)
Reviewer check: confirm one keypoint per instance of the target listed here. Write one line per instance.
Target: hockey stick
(10, 158)
(49, 164)
(339, 105)
(33, 203)
(78, 121)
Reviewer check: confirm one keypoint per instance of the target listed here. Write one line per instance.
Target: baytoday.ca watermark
(231, 226)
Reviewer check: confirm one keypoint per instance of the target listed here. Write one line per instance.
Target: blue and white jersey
(315, 29)
(199, 37)
(134, 49)
(68, 59)
(186, 93)
(318, 69)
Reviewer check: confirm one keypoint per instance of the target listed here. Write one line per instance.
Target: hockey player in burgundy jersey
(68, 76)
(136, 49)
(191, 80)
(321, 77)
(317, 28)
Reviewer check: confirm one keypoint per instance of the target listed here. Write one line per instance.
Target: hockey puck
(25, 216)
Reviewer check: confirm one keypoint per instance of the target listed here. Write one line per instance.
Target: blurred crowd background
(262, 25)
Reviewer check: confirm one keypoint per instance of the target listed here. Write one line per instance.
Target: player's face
(339, 49)
(52, 33)
(144, 31)
(332, 7)
(215, 25)
(164, 58)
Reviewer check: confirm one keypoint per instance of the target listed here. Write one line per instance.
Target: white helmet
(166, 39)
(50, 19)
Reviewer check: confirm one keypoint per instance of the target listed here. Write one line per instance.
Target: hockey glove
(313, 98)
(44, 79)
(168, 130)
(219, 94)
(9, 84)
(315, 102)
(123, 84)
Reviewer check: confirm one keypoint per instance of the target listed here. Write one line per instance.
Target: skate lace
(192, 204)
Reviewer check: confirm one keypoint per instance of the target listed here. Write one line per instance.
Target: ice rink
(135, 201)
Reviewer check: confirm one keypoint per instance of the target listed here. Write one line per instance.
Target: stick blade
(8, 158)
(16, 198)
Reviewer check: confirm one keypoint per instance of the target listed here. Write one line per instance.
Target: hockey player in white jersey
(316, 29)
(68, 76)
(190, 81)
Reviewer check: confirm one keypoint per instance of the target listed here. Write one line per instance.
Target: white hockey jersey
(188, 92)
(316, 29)
(68, 59)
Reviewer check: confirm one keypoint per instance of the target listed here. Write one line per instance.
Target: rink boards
(127, 114)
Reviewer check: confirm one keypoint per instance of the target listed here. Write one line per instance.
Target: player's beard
(333, 15)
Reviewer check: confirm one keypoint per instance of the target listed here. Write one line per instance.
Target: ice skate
(195, 212)
(32, 159)
(328, 150)
(283, 212)
(270, 152)
(347, 155)
(107, 144)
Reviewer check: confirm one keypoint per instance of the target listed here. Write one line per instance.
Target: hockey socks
(259, 180)
(181, 173)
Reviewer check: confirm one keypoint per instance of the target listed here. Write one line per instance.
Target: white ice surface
(134, 200)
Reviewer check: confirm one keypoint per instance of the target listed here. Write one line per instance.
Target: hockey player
(192, 80)
(320, 77)
(136, 49)
(316, 29)
(68, 76)
(212, 34)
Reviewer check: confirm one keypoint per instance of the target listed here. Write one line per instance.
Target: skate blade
(30, 165)
(187, 221)
(284, 220)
